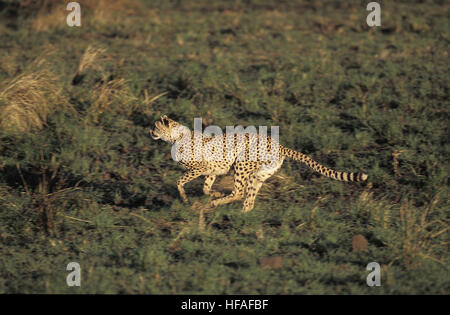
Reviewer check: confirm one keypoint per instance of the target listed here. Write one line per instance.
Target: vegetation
(81, 180)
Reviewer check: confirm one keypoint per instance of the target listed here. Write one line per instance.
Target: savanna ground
(81, 180)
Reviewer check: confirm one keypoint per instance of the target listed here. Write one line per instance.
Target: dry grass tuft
(408, 230)
(93, 58)
(380, 210)
(28, 99)
(418, 234)
(112, 96)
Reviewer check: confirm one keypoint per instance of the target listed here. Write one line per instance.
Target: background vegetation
(81, 180)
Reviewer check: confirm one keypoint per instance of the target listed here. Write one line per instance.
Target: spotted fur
(252, 165)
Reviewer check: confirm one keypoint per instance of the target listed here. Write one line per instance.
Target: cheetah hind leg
(235, 195)
(209, 181)
(254, 185)
(241, 176)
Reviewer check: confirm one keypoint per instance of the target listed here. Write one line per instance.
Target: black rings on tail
(343, 176)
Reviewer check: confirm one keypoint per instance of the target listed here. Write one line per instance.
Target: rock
(273, 262)
(359, 243)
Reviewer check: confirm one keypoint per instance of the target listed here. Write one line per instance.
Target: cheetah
(251, 165)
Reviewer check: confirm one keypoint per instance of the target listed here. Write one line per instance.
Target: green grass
(81, 180)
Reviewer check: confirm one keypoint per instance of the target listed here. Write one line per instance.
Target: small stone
(273, 262)
(359, 243)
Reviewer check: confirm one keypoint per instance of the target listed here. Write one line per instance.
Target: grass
(81, 180)
(29, 98)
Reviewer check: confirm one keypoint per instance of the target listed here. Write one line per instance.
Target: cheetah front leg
(254, 185)
(186, 178)
(209, 181)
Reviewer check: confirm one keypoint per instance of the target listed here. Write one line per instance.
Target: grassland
(81, 180)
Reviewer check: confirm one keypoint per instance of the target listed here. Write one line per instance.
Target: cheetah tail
(344, 176)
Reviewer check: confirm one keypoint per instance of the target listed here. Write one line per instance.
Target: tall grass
(420, 234)
(93, 58)
(27, 100)
(413, 234)
(113, 97)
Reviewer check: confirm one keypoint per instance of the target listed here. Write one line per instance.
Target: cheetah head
(168, 130)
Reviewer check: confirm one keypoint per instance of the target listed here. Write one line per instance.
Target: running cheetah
(252, 165)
